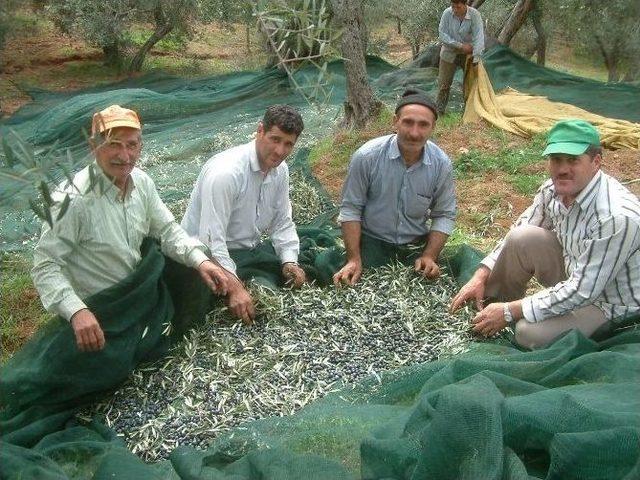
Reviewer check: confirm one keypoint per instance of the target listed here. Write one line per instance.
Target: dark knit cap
(414, 95)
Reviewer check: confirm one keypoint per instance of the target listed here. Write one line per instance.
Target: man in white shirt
(96, 244)
(461, 34)
(242, 194)
(580, 238)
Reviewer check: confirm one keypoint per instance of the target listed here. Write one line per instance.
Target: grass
(527, 184)
(517, 162)
(173, 43)
(506, 159)
(336, 150)
(21, 313)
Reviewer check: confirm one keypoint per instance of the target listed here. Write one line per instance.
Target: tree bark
(361, 105)
(164, 26)
(541, 43)
(112, 57)
(610, 60)
(515, 21)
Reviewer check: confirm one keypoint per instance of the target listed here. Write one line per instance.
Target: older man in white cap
(96, 244)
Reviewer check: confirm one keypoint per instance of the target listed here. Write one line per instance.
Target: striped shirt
(600, 238)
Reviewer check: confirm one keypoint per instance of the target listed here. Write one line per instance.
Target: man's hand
(293, 274)
(472, 290)
(427, 267)
(241, 304)
(467, 48)
(89, 335)
(349, 274)
(214, 277)
(490, 320)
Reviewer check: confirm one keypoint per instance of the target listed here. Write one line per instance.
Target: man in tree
(241, 194)
(96, 244)
(398, 195)
(580, 238)
(461, 34)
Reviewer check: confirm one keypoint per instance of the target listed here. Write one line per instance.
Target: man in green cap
(581, 240)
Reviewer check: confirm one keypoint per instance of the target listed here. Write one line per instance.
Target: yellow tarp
(526, 115)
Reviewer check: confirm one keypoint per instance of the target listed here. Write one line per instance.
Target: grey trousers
(528, 252)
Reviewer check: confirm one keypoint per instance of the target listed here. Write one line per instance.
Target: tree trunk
(360, 106)
(112, 56)
(541, 44)
(399, 25)
(610, 60)
(475, 3)
(415, 50)
(515, 21)
(163, 28)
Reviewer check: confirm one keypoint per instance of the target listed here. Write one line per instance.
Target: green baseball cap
(572, 137)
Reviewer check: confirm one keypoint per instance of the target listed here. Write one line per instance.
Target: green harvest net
(569, 411)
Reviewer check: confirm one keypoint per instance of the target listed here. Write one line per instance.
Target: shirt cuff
(489, 261)
(289, 256)
(228, 264)
(442, 224)
(349, 216)
(530, 311)
(69, 306)
(196, 257)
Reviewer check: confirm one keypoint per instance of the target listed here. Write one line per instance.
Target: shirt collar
(394, 151)
(467, 15)
(588, 193)
(105, 186)
(254, 164)
(586, 196)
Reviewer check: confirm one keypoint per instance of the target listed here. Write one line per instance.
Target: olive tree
(102, 23)
(361, 105)
(107, 23)
(609, 29)
(169, 16)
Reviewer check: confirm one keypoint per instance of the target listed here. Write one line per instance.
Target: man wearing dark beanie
(398, 201)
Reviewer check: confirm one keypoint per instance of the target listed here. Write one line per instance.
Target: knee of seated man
(523, 235)
(530, 335)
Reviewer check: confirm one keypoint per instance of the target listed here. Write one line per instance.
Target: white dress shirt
(233, 204)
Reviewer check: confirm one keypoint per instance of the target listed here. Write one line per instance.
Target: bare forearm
(351, 234)
(435, 244)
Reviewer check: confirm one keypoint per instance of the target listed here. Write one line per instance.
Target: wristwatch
(507, 314)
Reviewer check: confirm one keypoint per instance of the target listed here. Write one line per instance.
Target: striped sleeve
(606, 254)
